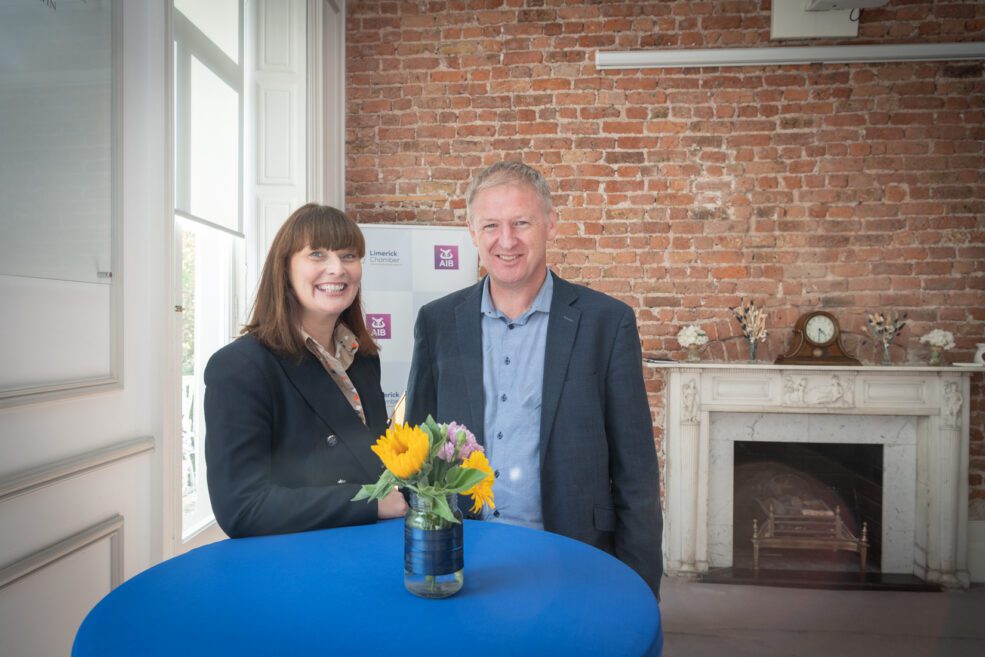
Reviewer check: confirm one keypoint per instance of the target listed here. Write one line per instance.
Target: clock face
(819, 329)
(817, 341)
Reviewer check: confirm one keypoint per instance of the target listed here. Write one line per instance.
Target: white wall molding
(326, 102)
(111, 527)
(26, 481)
(316, 136)
(699, 57)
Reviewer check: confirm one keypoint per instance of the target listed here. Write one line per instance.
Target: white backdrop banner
(406, 267)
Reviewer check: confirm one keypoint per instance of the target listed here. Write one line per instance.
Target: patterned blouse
(338, 362)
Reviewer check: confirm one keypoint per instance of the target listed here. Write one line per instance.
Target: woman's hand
(392, 506)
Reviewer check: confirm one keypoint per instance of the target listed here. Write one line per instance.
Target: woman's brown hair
(276, 311)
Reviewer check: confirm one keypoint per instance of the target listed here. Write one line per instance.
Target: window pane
(214, 148)
(208, 323)
(217, 19)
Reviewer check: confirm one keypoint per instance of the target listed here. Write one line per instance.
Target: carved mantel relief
(951, 405)
(834, 391)
(689, 402)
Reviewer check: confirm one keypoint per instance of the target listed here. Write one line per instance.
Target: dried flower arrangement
(752, 320)
(885, 328)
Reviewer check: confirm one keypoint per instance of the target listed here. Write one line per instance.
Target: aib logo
(445, 257)
(379, 325)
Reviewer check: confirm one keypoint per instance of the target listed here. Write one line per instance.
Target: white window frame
(266, 203)
(184, 42)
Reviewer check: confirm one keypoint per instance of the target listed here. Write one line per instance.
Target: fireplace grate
(807, 525)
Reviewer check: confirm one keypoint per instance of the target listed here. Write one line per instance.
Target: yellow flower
(482, 492)
(403, 450)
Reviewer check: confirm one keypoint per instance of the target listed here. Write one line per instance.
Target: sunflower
(403, 450)
(482, 492)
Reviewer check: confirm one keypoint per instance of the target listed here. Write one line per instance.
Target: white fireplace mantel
(924, 430)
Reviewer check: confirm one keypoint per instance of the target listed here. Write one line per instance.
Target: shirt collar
(541, 303)
(343, 348)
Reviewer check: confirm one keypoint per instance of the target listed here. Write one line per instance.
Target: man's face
(510, 228)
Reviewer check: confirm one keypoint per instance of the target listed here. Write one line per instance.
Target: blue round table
(341, 592)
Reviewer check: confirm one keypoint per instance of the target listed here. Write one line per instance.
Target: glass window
(208, 144)
(213, 148)
(217, 19)
(210, 315)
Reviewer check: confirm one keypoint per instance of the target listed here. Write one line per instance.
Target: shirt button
(499, 436)
(497, 474)
(503, 398)
(496, 513)
(512, 326)
(332, 440)
(507, 361)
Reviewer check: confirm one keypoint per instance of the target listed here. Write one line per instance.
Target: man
(548, 375)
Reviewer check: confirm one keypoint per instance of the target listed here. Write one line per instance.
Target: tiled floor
(721, 620)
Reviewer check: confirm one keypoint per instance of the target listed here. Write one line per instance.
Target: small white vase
(980, 353)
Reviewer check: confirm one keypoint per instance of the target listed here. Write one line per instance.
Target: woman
(292, 406)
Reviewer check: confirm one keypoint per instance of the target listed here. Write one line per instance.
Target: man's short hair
(503, 173)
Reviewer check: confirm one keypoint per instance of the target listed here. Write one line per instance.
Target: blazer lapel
(327, 401)
(468, 325)
(562, 327)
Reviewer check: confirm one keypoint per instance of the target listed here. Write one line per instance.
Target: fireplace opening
(807, 507)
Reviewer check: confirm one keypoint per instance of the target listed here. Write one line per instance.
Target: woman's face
(326, 283)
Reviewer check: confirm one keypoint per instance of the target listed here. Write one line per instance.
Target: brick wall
(849, 188)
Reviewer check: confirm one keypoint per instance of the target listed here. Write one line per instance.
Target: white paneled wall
(277, 178)
(40, 611)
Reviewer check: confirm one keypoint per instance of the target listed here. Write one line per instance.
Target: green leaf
(433, 428)
(453, 476)
(385, 484)
(430, 491)
(441, 507)
(365, 492)
(460, 479)
(379, 490)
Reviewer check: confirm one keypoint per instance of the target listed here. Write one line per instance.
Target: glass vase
(885, 354)
(935, 355)
(692, 353)
(752, 350)
(434, 563)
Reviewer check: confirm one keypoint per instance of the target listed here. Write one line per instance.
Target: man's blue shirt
(513, 381)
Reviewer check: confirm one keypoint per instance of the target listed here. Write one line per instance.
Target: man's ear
(552, 224)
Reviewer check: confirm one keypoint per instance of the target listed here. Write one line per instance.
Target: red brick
(849, 187)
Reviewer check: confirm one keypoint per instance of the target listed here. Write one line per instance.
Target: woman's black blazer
(285, 451)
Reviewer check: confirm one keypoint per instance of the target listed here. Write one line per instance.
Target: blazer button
(332, 440)
(341, 481)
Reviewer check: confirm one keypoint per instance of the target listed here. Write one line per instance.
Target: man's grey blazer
(598, 465)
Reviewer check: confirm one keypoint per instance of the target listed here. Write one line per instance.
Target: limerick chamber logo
(384, 256)
(445, 257)
(379, 325)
